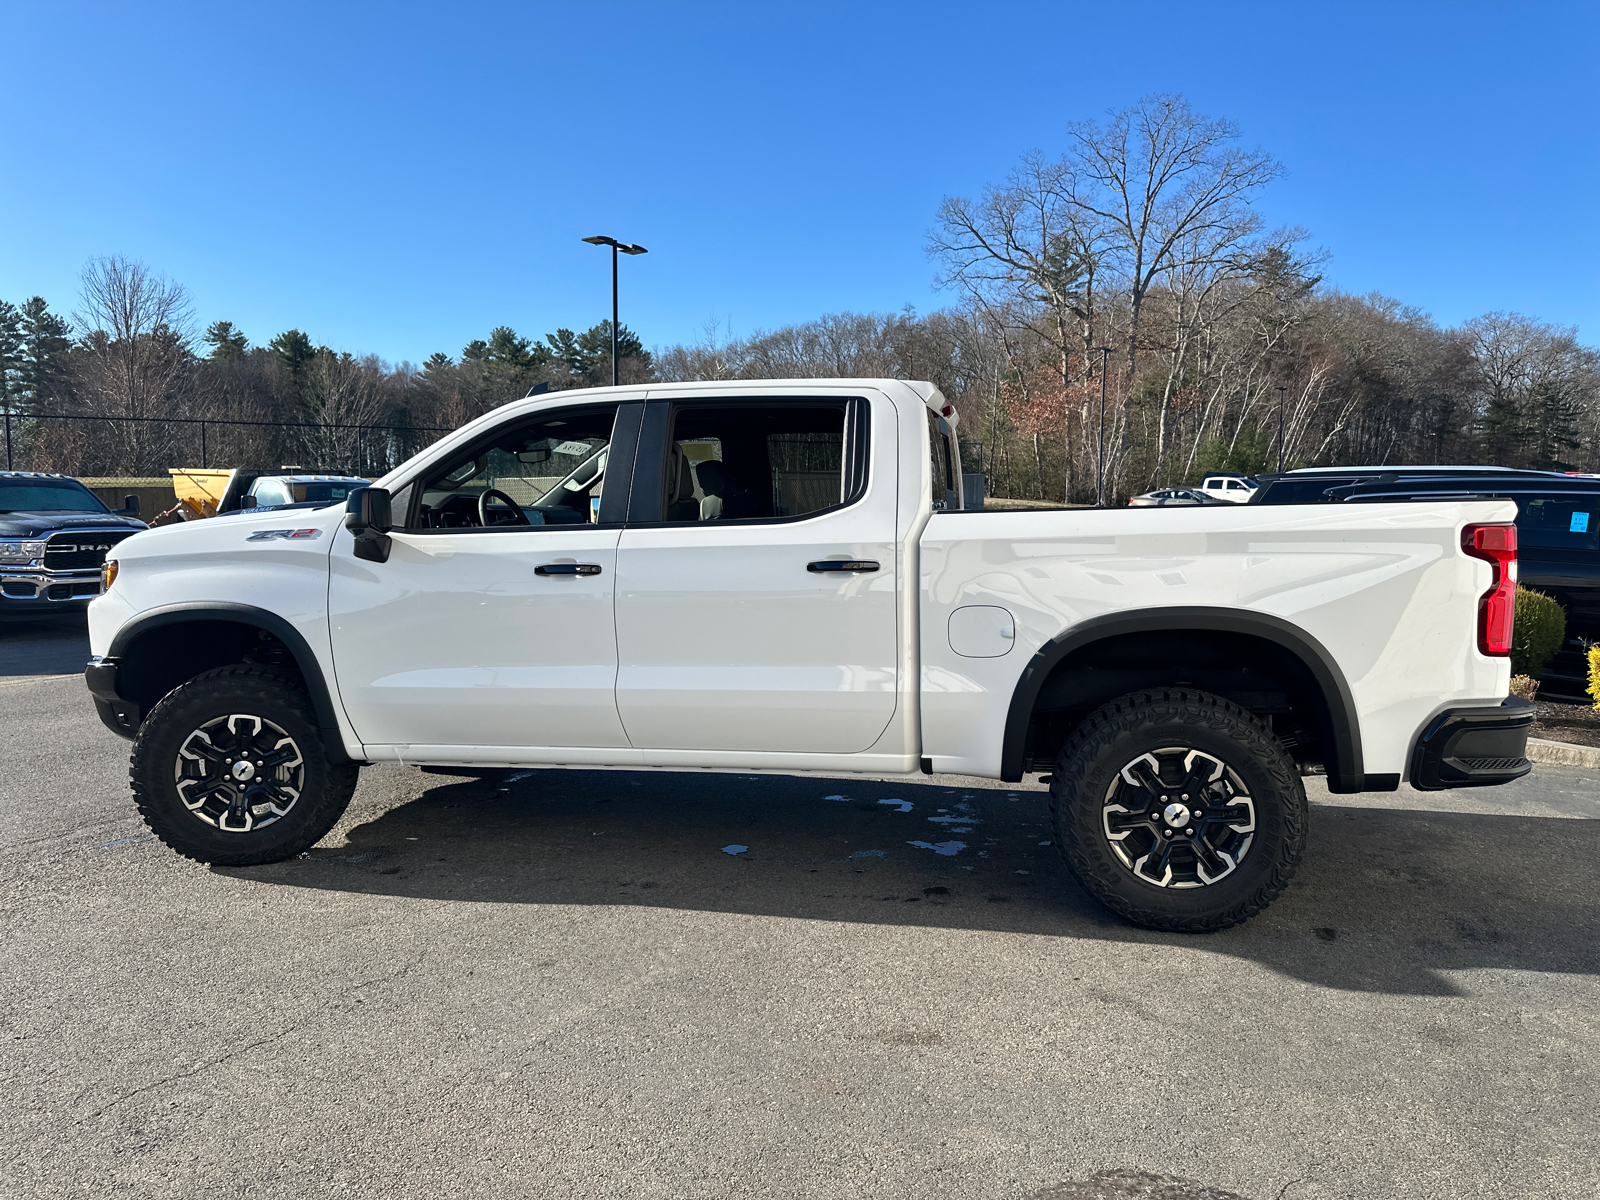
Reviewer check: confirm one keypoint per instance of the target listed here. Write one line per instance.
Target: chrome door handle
(843, 564)
(567, 569)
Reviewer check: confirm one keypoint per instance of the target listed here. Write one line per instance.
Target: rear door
(756, 578)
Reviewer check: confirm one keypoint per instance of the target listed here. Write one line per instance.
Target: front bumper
(31, 591)
(116, 714)
(1473, 747)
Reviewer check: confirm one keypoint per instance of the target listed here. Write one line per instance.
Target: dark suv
(1558, 534)
(54, 536)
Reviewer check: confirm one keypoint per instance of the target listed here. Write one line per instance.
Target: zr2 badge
(287, 535)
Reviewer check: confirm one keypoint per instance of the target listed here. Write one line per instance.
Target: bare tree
(343, 398)
(134, 358)
(1171, 189)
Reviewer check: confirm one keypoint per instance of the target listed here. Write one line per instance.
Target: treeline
(125, 387)
(1363, 381)
(1125, 320)
(1122, 319)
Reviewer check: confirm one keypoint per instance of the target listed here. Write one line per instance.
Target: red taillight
(1497, 546)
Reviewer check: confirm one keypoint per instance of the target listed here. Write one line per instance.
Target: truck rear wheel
(1178, 810)
(231, 769)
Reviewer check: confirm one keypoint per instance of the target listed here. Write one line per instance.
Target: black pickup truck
(54, 537)
(1558, 534)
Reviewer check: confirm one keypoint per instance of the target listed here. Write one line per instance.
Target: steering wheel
(518, 516)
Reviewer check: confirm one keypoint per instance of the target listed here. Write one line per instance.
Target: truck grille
(84, 551)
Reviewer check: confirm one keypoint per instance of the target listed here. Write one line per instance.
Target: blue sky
(400, 178)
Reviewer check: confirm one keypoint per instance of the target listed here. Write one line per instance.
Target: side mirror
(130, 505)
(366, 515)
(247, 501)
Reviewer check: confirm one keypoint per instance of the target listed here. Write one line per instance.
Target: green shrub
(1539, 628)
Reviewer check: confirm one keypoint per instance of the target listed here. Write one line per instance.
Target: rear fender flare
(1345, 767)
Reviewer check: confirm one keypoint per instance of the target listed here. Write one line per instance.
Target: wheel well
(1256, 673)
(160, 659)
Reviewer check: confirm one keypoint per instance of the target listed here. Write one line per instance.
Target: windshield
(48, 495)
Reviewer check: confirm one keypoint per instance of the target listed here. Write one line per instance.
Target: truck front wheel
(1178, 810)
(231, 768)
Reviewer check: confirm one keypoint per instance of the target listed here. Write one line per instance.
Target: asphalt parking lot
(578, 985)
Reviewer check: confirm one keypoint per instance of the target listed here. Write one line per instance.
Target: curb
(1563, 754)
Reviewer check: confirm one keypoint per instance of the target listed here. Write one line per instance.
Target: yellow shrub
(1594, 674)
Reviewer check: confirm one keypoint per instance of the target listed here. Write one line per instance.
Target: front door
(756, 578)
(492, 623)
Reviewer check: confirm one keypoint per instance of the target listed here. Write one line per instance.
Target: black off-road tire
(272, 699)
(1100, 827)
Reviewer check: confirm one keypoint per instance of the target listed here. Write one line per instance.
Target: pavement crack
(1306, 1178)
(404, 970)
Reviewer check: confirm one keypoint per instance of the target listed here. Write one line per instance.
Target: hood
(38, 524)
(249, 532)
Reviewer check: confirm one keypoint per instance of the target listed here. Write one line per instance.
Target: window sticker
(1580, 523)
(572, 447)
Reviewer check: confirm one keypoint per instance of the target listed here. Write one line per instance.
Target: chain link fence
(100, 446)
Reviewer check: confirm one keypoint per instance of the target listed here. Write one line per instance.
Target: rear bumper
(1473, 747)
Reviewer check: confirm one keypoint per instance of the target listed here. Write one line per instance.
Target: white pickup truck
(779, 577)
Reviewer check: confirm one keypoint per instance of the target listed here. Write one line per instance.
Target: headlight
(108, 574)
(20, 554)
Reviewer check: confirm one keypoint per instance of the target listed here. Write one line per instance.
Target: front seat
(721, 498)
(681, 504)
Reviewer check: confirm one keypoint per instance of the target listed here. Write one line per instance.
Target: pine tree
(1501, 429)
(1552, 424)
(45, 342)
(225, 341)
(10, 350)
(506, 346)
(295, 351)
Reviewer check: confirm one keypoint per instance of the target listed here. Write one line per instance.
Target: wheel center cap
(245, 771)
(1175, 813)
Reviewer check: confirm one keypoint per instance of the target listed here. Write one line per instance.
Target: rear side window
(942, 487)
(1559, 522)
(1302, 491)
(738, 462)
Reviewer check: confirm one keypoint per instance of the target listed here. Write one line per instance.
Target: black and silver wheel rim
(1178, 818)
(239, 773)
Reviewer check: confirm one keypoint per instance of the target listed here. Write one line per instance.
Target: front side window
(47, 495)
(733, 462)
(548, 471)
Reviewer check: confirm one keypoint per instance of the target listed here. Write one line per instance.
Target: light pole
(1281, 391)
(1100, 469)
(626, 248)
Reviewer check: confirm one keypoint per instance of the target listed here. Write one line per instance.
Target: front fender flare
(101, 679)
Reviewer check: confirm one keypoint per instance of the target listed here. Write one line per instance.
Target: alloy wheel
(239, 773)
(1178, 818)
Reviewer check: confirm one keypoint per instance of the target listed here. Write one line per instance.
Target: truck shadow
(1385, 901)
(45, 645)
